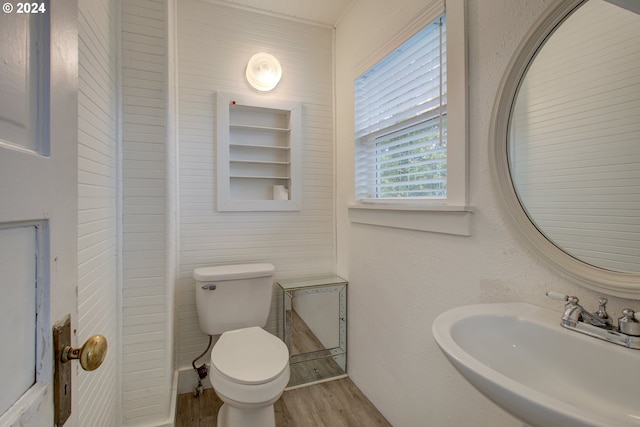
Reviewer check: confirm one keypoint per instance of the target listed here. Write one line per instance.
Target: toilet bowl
(249, 366)
(249, 371)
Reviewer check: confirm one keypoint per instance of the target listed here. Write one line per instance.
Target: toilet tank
(231, 297)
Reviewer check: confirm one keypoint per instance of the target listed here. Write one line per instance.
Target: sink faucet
(599, 324)
(574, 313)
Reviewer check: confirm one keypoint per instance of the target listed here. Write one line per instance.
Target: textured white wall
(214, 45)
(98, 24)
(401, 280)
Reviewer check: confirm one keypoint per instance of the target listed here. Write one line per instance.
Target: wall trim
(435, 219)
(268, 13)
(172, 237)
(119, 214)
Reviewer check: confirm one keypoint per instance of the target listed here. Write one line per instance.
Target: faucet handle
(561, 297)
(556, 296)
(602, 308)
(628, 323)
(602, 312)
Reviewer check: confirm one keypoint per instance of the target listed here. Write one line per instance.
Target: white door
(38, 201)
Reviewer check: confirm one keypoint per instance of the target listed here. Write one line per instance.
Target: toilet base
(229, 416)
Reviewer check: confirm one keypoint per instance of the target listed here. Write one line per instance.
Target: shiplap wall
(97, 209)
(214, 44)
(147, 344)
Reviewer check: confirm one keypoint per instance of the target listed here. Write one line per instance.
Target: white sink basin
(520, 357)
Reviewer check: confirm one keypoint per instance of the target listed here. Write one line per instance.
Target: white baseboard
(171, 420)
(174, 402)
(188, 380)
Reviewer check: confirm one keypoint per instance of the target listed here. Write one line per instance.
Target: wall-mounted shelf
(258, 152)
(259, 128)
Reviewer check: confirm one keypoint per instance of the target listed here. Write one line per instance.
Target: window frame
(450, 215)
(400, 121)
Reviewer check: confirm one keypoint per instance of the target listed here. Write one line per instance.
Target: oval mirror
(566, 142)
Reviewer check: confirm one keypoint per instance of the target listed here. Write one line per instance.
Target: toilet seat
(249, 356)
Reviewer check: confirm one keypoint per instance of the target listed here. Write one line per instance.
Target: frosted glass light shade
(263, 71)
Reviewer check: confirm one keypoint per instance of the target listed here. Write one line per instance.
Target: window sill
(454, 220)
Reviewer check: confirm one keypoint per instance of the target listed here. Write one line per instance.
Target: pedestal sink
(519, 356)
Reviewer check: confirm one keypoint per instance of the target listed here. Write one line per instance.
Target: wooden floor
(337, 403)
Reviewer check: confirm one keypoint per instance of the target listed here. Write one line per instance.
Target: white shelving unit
(258, 152)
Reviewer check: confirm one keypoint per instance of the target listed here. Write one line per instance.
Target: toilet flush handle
(209, 287)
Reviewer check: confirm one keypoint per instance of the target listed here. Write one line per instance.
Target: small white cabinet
(258, 154)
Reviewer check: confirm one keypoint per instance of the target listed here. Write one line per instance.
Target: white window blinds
(400, 123)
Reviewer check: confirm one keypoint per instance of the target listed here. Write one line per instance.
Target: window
(401, 121)
(411, 134)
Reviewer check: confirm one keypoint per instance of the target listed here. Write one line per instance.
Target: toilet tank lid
(233, 272)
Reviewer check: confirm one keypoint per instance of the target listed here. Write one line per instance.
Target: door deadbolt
(91, 354)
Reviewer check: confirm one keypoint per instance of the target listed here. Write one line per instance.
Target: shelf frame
(283, 138)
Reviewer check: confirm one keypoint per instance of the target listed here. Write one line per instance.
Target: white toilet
(249, 366)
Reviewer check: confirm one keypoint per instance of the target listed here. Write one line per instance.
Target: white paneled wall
(97, 210)
(147, 344)
(214, 44)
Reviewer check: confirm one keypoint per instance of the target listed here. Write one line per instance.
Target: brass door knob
(91, 354)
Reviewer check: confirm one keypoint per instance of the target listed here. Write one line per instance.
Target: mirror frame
(621, 284)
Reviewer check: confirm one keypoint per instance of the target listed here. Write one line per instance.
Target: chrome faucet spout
(574, 313)
(595, 320)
